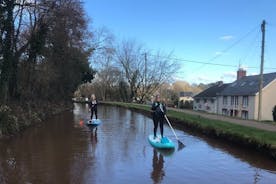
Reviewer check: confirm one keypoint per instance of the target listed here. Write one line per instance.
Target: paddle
(180, 144)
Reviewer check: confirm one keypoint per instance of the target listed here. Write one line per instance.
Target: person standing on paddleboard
(158, 111)
(93, 106)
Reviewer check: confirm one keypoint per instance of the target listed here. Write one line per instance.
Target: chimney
(241, 73)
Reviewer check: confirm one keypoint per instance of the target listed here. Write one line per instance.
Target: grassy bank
(261, 140)
(14, 118)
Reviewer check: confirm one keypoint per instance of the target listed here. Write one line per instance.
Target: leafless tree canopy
(129, 71)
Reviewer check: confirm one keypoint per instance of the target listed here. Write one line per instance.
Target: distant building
(207, 100)
(186, 96)
(241, 98)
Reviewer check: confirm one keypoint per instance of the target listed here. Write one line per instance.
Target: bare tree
(143, 70)
(130, 59)
(106, 83)
(158, 69)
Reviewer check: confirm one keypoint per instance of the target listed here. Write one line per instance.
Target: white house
(186, 96)
(207, 99)
(241, 98)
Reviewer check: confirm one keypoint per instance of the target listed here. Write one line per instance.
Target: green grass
(226, 128)
(246, 135)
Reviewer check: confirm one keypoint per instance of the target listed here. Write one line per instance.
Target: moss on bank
(14, 117)
(261, 140)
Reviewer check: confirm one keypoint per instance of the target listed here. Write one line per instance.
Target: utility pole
(145, 69)
(145, 78)
(261, 72)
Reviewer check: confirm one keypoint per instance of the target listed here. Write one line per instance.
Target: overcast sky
(224, 32)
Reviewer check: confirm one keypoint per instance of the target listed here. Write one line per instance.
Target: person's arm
(164, 108)
(89, 105)
(154, 106)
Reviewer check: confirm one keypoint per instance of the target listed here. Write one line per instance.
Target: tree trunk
(7, 67)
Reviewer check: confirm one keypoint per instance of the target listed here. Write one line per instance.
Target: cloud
(218, 53)
(254, 73)
(243, 67)
(226, 37)
(229, 74)
(203, 79)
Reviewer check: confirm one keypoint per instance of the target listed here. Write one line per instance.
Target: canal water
(63, 150)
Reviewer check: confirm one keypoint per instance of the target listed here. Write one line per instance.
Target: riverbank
(16, 117)
(261, 140)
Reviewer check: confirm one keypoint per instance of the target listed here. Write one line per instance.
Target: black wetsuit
(159, 110)
(93, 107)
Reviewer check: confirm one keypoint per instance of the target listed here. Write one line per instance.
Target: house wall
(237, 109)
(209, 106)
(268, 101)
(186, 98)
(256, 105)
(251, 107)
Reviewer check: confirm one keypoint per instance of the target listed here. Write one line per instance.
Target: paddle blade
(81, 122)
(180, 145)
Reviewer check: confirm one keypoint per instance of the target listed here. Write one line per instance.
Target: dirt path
(249, 123)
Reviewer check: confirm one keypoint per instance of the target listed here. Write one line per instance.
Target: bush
(186, 105)
(274, 113)
(8, 122)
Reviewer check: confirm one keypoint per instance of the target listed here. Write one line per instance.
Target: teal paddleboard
(93, 122)
(161, 143)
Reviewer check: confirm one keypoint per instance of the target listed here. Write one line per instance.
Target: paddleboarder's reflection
(94, 141)
(157, 173)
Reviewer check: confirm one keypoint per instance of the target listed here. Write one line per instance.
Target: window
(232, 100)
(212, 100)
(205, 100)
(197, 100)
(236, 100)
(243, 83)
(224, 112)
(224, 100)
(236, 113)
(245, 101)
(234, 84)
(231, 112)
(244, 114)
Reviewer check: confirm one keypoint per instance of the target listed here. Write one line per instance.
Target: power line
(252, 46)
(204, 63)
(235, 43)
(208, 63)
(231, 46)
(217, 64)
(271, 24)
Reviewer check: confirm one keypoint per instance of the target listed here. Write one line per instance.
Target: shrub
(274, 113)
(8, 122)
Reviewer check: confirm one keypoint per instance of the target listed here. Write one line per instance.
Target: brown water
(61, 150)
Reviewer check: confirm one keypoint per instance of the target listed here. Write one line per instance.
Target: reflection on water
(158, 172)
(62, 150)
(94, 141)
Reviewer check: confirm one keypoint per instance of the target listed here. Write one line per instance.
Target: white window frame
(236, 100)
(245, 100)
(232, 100)
(224, 100)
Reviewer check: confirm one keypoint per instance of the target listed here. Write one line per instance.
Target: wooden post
(261, 72)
